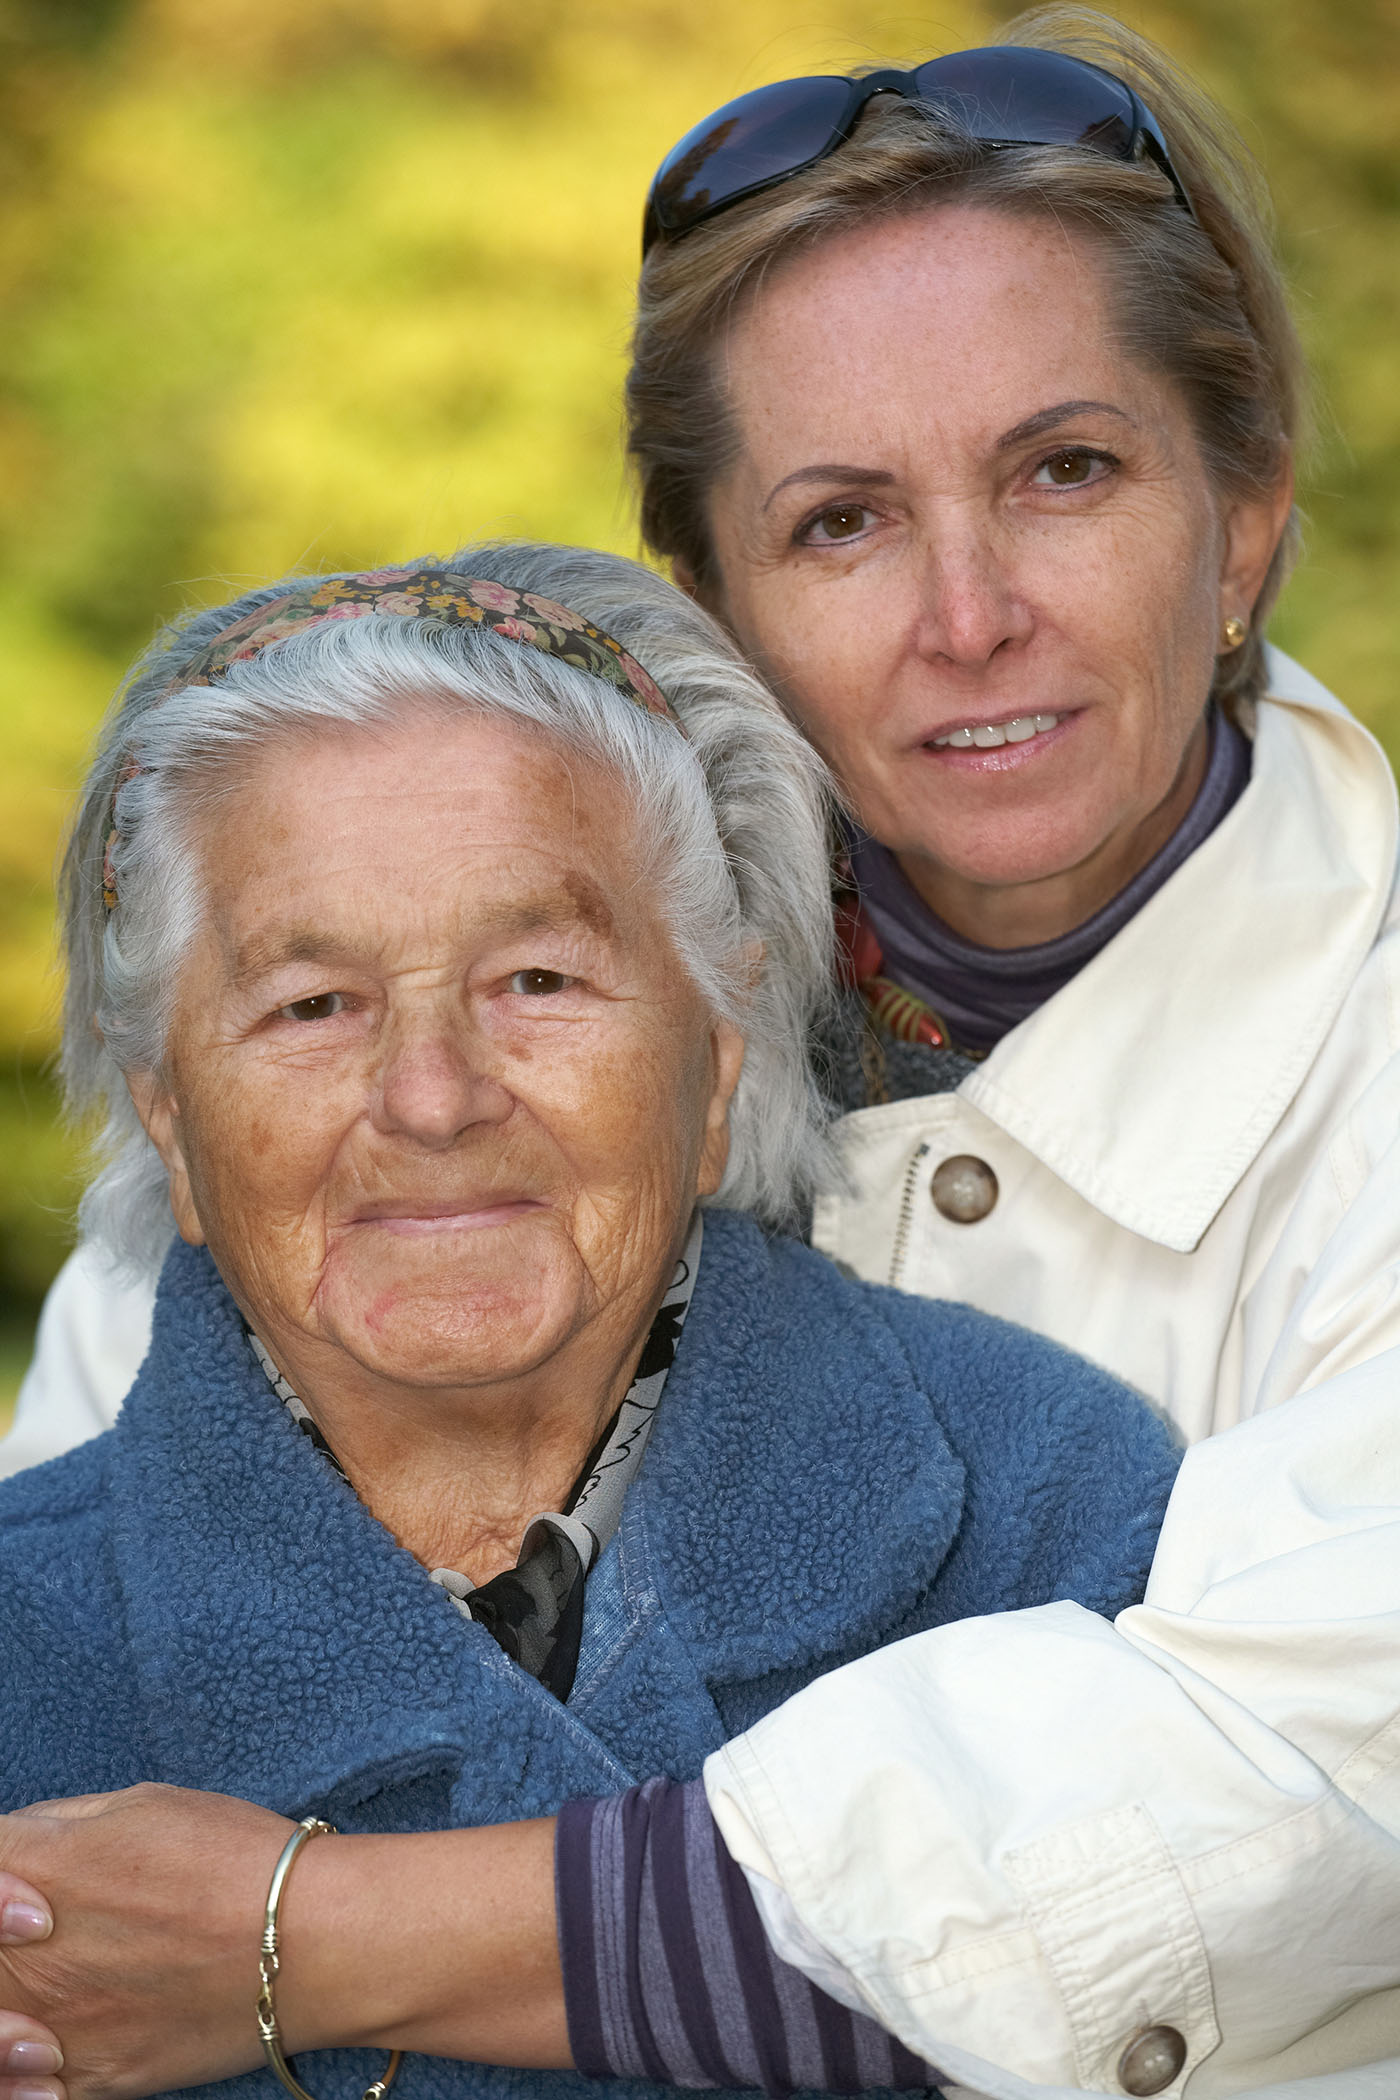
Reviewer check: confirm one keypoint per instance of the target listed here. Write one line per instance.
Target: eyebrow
(563, 913)
(1048, 418)
(260, 956)
(866, 477)
(877, 477)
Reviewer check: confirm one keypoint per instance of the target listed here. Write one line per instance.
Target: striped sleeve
(668, 1975)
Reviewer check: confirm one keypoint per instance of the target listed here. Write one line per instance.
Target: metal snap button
(964, 1189)
(1151, 2061)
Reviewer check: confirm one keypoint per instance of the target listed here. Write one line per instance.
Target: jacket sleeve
(94, 1330)
(1019, 1841)
(1328, 1296)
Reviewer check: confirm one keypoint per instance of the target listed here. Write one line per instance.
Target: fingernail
(33, 2092)
(39, 2059)
(23, 1921)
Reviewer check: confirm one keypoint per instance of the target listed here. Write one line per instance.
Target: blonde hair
(1200, 300)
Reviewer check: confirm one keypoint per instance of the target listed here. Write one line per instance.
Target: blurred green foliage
(345, 281)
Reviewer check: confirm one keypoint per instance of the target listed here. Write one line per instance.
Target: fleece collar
(1201, 1018)
(798, 1495)
(287, 1650)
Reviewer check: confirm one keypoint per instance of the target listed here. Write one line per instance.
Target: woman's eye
(538, 984)
(1072, 469)
(842, 522)
(319, 1007)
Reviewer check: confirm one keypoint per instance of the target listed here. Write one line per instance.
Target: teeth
(989, 736)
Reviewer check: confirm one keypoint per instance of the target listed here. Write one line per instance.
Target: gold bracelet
(269, 1963)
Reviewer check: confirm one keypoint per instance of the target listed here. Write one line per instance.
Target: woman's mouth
(990, 736)
(417, 1218)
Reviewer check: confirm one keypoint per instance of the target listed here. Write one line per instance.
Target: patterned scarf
(534, 1611)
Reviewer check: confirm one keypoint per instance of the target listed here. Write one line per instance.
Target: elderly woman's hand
(29, 2051)
(148, 1976)
(442, 1943)
(30, 2054)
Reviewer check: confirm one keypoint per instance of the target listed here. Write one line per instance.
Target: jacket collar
(1201, 1018)
(796, 1500)
(798, 1496)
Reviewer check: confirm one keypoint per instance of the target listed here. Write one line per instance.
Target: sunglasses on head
(1003, 95)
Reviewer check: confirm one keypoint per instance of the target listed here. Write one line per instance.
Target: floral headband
(411, 594)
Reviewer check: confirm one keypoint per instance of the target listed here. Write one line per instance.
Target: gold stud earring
(1233, 632)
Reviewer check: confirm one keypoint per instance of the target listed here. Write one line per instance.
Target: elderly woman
(434, 961)
(966, 398)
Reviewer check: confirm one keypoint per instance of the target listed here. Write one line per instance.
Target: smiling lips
(445, 1217)
(989, 736)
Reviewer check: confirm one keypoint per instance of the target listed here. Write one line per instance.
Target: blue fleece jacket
(197, 1597)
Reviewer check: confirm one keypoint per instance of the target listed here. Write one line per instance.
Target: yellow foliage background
(347, 280)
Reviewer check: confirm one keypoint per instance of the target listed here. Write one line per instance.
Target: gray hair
(732, 826)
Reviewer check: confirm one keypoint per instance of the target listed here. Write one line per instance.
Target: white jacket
(1020, 1840)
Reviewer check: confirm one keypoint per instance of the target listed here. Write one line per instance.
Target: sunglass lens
(1009, 95)
(771, 132)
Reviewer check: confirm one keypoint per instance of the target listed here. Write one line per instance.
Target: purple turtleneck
(982, 993)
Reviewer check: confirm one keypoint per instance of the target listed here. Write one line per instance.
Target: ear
(727, 1047)
(160, 1118)
(1253, 528)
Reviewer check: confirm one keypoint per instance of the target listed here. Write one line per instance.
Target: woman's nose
(969, 603)
(436, 1083)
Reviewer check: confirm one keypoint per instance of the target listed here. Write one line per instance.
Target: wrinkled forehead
(446, 829)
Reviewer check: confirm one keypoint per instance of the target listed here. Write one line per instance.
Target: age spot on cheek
(260, 1139)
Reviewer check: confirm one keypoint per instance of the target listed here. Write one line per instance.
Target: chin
(1024, 840)
(450, 1321)
(434, 1343)
(1012, 859)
